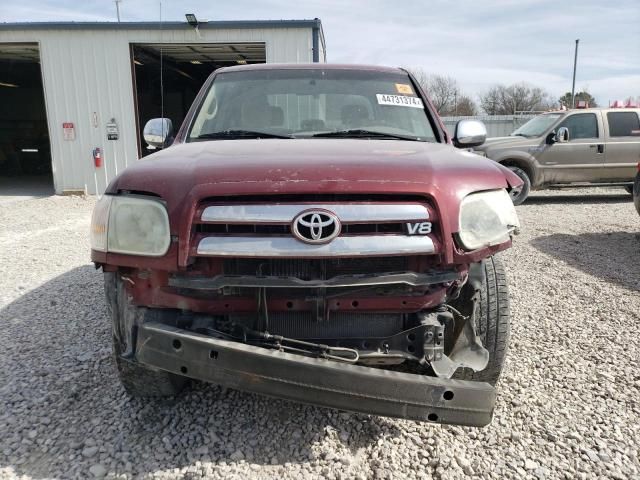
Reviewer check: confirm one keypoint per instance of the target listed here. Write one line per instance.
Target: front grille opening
(372, 228)
(270, 229)
(242, 229)
(303, 325)
(314, 269)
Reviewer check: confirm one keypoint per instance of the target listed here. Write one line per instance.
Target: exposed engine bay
(435, 341)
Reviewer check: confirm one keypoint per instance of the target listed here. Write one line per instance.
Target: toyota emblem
(316, 226)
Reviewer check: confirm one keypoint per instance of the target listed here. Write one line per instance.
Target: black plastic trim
(314, 380)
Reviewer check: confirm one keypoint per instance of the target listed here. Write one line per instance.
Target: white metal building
(67, 89)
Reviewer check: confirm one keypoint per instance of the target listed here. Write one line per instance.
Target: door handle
(600, 147)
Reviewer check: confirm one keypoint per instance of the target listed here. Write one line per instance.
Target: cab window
(312, 103)
(581, 125)
(623, 124)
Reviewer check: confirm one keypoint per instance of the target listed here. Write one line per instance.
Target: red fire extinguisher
(97, 157)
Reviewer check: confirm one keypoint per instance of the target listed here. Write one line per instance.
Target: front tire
(137, 380)
(636, 193)
(492, 322)
(519, 194)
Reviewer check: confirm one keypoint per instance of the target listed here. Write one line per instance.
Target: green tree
(584, 95)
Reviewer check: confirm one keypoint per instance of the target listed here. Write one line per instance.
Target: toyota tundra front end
(312, 235)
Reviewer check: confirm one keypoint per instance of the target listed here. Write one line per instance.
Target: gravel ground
(568, 403)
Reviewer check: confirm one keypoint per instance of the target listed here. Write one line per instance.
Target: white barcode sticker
(399, 100)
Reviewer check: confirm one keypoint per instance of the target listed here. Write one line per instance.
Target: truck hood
(266, 166)
(509, 142)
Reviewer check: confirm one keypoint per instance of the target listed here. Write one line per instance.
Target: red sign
(68, 131)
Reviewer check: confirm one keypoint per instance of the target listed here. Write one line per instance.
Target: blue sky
(479, 43)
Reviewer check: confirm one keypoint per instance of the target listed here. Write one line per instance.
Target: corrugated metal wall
(89, 70)
(497, 125)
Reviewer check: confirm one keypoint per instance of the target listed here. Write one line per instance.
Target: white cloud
(478, 43)
(48, 11)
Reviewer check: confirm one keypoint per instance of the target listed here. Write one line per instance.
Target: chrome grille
(258, 230)
(285, 212)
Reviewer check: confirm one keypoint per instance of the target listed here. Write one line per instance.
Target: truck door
(623, 145)
(582, 158)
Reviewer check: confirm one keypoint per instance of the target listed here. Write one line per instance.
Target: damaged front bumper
(315, 381)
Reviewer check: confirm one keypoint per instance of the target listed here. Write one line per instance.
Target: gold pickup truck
(593, 146)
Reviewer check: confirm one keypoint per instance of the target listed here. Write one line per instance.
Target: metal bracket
(434, 342)
(467, 351)
(321, 308)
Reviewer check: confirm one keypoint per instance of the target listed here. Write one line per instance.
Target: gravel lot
(569, 402)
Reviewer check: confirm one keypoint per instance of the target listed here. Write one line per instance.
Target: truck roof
(597, 109)
(312, 66)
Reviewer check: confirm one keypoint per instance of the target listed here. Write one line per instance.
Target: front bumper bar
(221, 281)
(313, 380)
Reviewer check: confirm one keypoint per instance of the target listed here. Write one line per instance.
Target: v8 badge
(419, 228)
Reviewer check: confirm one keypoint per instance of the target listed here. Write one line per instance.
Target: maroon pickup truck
(312, 234)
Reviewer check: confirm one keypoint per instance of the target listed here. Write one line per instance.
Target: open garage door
(185, 68)
(25, 152)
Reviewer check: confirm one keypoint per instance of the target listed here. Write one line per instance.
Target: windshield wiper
(231, 134)
(360, 133)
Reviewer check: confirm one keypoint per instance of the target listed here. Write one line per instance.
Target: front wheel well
(514, 162)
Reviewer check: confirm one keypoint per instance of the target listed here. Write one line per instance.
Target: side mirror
(551, 138)
(469, 133)
(158, 133)
(562, 135)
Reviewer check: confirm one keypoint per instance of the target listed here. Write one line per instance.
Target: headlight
(487, 218)
(130, 225)
(99, 223)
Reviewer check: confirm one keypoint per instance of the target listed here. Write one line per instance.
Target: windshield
(538, 125)
(305, 103)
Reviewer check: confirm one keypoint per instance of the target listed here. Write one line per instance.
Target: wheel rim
(515, 193)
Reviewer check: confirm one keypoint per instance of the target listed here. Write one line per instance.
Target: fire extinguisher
(97, 157)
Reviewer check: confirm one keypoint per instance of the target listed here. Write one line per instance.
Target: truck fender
(523, 160)
(513, 180)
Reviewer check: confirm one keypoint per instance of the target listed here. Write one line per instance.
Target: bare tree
(584, 95)
(519, 97)
(420, 75)
(465, 106)
(491, 101)
(445, 94)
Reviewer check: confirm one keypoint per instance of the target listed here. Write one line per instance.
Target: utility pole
(118, 8)
(573, 85)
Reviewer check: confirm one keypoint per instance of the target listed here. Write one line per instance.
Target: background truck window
(623, 124)
(581, 125)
